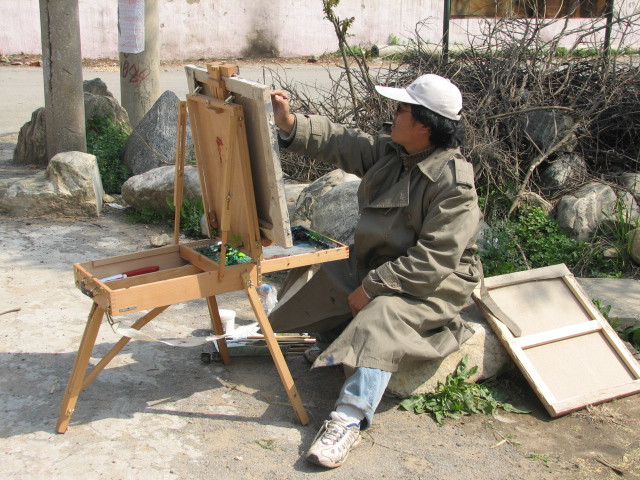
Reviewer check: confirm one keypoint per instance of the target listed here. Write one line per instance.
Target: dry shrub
(512, 68)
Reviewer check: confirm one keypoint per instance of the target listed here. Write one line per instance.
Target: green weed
(530, 239)
(630, 334)
(105, 140)
(147, 215)
(605, 310)
(190, 215)
(546, 460)
(615, 232)
(458, 397)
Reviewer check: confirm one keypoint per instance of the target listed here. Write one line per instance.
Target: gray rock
(336, 214)
(631, 181)
(622, 294)
(484, 349)
(32, 141)
(96, 87)
(534, 200)
(151, 189)
(292, 192)
(69, 187)
(567, 170)
(309, 196)
(580, 214)
(106, 106)
(159, 240)
(545, 128)
(153, 142)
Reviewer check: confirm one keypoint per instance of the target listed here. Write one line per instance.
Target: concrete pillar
(62, 69)
(140, 72)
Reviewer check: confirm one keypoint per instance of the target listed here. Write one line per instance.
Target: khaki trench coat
(414, 253)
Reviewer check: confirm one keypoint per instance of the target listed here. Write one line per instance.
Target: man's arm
(317, 137)
(284, 119)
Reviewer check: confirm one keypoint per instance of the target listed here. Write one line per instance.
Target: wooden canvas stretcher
(565, 348)
(236, 216)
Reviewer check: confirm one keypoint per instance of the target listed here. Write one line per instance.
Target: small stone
(610, 253)
(106, 198)
(238, 458)
(312, 59)
(159, 240)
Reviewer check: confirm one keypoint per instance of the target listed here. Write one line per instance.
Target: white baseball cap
(434, 92)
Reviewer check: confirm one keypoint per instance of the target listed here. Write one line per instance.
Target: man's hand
(358, 300)
(283, 118)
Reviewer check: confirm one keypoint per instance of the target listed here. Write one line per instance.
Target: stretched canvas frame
(567, 350)
(262, 141)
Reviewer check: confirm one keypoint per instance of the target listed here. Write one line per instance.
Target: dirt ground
(158, 411)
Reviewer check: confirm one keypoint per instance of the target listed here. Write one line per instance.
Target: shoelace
(334, 432)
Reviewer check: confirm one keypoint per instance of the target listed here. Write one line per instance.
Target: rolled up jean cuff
(363, 390)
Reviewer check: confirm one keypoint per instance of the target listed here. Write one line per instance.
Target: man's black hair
(445, 133)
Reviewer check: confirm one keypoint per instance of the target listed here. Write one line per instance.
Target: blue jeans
(363, 390)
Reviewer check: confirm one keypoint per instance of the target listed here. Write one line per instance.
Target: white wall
(232, 28)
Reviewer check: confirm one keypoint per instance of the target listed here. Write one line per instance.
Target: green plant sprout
(105, 140)
(456, 396)
(630, 334)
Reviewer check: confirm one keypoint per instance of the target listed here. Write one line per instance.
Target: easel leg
(216, 323)
(141, 322)
(276, 353)
(74, 387)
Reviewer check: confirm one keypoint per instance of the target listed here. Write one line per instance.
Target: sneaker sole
(314, 458)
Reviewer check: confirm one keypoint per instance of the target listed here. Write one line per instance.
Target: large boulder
(32, 141)
(631, 181)
(309, 196)
(105, 106)
(336, 214)
(96, 87)
(484, 350)
(292, 192)
(532, 199)
(545, 128)
(580, 214)
(69, 187)
(151, 189)
(566, 170)
(153, 142)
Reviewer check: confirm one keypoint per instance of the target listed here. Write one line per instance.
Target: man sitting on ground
(413, 264)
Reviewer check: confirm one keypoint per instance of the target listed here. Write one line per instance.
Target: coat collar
(397, 195)
(432, 166)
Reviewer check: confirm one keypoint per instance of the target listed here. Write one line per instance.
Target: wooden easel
(225, 171)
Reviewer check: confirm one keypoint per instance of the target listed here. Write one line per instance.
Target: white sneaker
(334, 441)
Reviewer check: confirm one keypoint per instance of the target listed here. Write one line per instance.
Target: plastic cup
(228, 318)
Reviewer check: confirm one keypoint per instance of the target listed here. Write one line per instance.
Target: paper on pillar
(131, 26)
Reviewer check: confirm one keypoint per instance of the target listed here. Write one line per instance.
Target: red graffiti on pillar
(133, 72)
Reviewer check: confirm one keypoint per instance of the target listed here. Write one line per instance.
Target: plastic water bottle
(268, 296)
